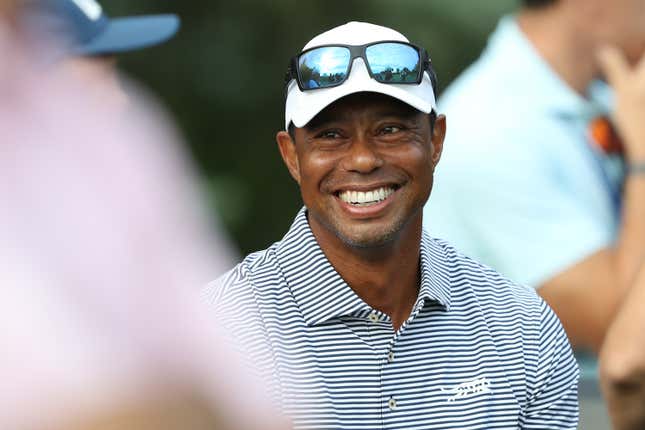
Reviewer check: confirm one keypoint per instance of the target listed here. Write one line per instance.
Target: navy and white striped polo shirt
(477, 351)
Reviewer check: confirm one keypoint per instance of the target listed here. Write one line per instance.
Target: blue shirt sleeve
(529, 204)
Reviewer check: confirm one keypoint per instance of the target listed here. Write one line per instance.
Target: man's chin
(367, 239)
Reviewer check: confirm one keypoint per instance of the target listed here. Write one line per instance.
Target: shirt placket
(383, 341)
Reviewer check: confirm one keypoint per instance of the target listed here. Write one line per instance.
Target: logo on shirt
(468, 389)
(90, 8)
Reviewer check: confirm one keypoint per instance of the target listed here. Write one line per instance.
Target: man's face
(365, 167)
(617, 22)
(632, 28)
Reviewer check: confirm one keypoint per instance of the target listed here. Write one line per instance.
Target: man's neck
(387, 278)
(561, 45)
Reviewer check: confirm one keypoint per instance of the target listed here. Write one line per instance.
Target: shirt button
(392, 403)
(373, 317)
(390, 357)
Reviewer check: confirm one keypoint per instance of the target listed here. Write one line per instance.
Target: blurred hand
(622, 362)
(629, 85)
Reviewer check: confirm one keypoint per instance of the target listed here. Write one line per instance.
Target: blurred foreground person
(361, 318)
(101, 240)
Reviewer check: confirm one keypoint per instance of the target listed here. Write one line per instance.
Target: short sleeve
(527, 205)
(553, 381)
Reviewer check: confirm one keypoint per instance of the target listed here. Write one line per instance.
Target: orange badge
(604, 136)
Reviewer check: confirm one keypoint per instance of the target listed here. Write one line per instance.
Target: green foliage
(223, 79)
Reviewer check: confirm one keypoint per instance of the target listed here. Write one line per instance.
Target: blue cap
(90, 31)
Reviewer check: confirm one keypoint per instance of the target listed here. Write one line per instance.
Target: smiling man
(357, 316)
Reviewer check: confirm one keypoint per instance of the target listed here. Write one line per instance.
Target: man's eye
(390, 129)
(329, 134)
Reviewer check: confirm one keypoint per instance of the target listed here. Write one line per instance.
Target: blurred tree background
(222, 78)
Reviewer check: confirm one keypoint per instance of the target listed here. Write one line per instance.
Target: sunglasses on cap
(388, 62)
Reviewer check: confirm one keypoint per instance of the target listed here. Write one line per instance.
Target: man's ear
(438, 136)
(289, 156)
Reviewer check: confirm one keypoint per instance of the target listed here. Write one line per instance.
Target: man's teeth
(364, 198)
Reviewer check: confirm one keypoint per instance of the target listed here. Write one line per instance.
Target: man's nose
(362, 156)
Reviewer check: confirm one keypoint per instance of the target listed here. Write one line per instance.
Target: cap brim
(131, 33)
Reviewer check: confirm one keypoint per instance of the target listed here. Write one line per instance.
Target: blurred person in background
(102, 242)
(361, 318)
(87, 40)
(540, 179)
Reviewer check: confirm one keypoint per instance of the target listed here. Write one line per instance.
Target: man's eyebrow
(325, 118)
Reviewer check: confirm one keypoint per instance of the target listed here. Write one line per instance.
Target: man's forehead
(364, 103)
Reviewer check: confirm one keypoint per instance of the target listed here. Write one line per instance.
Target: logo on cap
(90, 8)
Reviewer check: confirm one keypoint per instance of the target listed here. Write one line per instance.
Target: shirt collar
(537, 80)
(322, 294)
(435, 274)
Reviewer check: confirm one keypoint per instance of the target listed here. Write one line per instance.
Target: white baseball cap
(302, 106)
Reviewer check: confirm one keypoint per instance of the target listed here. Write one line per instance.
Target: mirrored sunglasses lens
(323, 67)
(393, 63)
